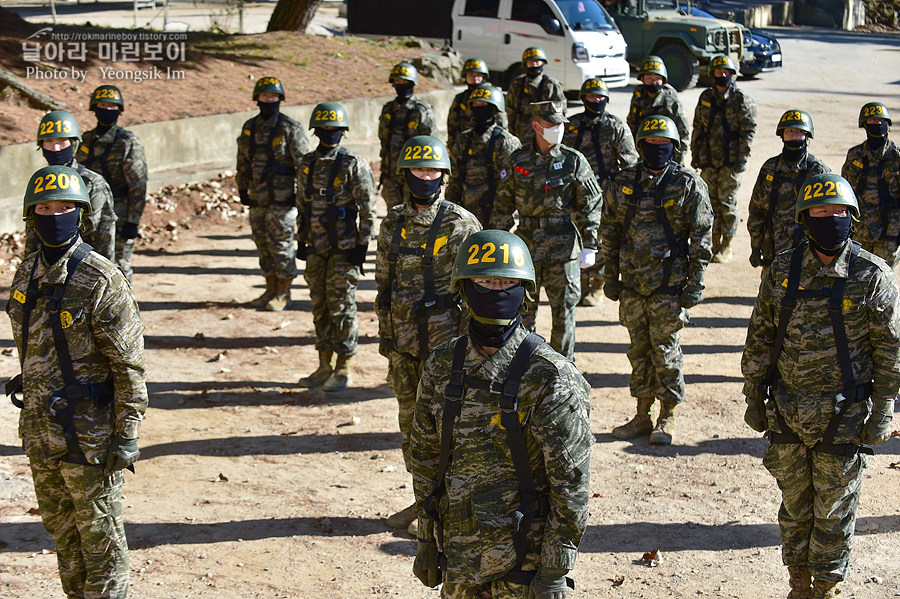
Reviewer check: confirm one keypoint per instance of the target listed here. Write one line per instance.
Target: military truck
(685, 43)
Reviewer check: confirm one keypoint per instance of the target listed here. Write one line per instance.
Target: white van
(579, 36)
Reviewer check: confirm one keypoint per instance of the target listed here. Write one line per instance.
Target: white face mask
(552, 135)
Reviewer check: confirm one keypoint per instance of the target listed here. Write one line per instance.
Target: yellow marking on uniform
(438, 244)
(19, 296)
(669, 204)
(83, 149)
(705, 103)
(246, 132)
(857, 164)
(413, 125)
(847, 305)
(277, 141)
(627, 191)
(770, 178)
(65, 317)
(495, 420)
(785, 284)
(403, 233)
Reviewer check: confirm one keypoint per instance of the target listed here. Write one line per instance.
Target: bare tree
(293, 15)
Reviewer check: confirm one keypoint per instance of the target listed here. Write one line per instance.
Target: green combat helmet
(107, 93)
(404, 71)
(827, 189)
(595, 86)
(58, 124)
(329, 114)
(475, 65)
(490, 94)
(655, 65)
(874, 110)
(657, 126)
(722, 62)
(795, 119)
(268, 85)
(534, 53)
(424, 151)
(55, 183)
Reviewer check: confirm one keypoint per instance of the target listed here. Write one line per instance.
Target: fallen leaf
(289, 433)
(8, 351)
(3, 544)
(652, 558)
(34, 511)
(340, 486)
(598, 495)
(618, 581)
(895, 465)
(223, 478)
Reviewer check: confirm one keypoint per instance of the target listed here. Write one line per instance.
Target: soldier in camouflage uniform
(481, 156)
(559, 200)
(521, 459)
(82, 399)
(531, 86)
(656, 97)
(270, 147)
(821, 384)
(656, 229)
(460, 117)
(873, 169)
(58, 137)
(606, 142)
(417, 245)
(117, 154)
(336, 208)
(402, 118)
(771, 214)
(724, 126)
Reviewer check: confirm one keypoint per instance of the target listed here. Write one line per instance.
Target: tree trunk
(293, 15)
(36, 99)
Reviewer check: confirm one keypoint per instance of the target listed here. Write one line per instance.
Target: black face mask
(828, 233)
(423, 192)
(723, 81)
(106, 117)
(483, 115)
(793, 150)
(596, 107)
(267, 109)
(653, 89)
(495, 305)
(329, 137)
(657, 156)
(534, 71)
(60, 157)
(404, 90)
(879, 130)
(57, 230)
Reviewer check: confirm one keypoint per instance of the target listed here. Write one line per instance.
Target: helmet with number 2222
(657, 126)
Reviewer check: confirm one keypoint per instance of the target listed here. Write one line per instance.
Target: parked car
(762, 52)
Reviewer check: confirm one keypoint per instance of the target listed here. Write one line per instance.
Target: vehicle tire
(683, 68)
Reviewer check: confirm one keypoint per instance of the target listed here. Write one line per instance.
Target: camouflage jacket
(639, 251)
(354, 200)
(666, 103)
(401, 119)
(102, 325)
(809, 374)
(118, 155)
(397, 303)
(614, 147)
(472, 162)
(522, 92)
(779, 231)
(481, 490)
(724, 126)
(99, 227)
(270, 177)
(558, 200)
(460, 119)
(878, 192)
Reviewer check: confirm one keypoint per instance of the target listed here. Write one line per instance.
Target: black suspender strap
(885, 202)
(332, 213)
(773, 200)
(487, 203)
(384, 301)
(14, 385)
(104, 160)
(718, 109)
(602, 173)
(429, 298)
(676, 249)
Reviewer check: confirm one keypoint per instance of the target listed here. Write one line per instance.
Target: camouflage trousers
(496, 589)
(332, 281)
(393, 190)
(82, 510)
(124, 252)
(886, 249)
(591, 280)
(272, 228)
(723, 183)
(819, 496)
(403, 376)
(657, 364)
(562, 282)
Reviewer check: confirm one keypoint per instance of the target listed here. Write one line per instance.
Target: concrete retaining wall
(189, 149)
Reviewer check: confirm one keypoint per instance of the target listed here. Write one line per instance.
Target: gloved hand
(301, 251)
(755, 258)
(755, 415)
(587, 258)
(612, 289)
(878, 427)
(122, 454)
(550, 583)
(691, 295)
(245, 196)
(127, 230)
(425, 567)
(357, 255)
